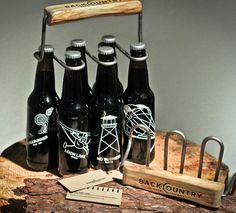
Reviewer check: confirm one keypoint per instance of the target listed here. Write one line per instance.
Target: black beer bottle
(80, 45)
(139, 105)
(73, 120)
(107, 115)
(41, 132)
(110, 40)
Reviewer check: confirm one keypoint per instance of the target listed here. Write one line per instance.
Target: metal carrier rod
(204, 142)
(43, 39)
(148, 146)
(122, 50)
(231, 186)
(95, 59)
(184, 145)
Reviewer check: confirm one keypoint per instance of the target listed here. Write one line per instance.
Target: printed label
(139, 114)
(108, 139)
(38, 141)
(78, 140)
(43, 121)
(168, 188)
(90, 3)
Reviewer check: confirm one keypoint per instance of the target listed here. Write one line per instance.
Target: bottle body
(139, 106)
(74, 138)
(41, 130)
(107, 116)
(42, 153)
(106, 144)
(73, 121)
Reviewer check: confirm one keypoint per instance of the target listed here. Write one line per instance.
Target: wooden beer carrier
(194, 189)
(149, 178)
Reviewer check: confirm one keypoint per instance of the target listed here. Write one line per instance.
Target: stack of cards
(84, 187)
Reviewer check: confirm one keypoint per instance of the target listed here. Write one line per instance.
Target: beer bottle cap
(137, 46)
(47, 48)
(78, 43)
(105, 50)
(72, 54)
(108, 39)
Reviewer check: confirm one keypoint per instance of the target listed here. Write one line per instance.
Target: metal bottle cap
(108, 39)
(47, 48)
(78, 43)
(72, 54)
(105, 50)
(137, 46)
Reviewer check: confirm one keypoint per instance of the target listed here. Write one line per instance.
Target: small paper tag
(95, 194)
(83, 181)
(115, 174)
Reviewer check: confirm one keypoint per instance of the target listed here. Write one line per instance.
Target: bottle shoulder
(73, 109)
(74, 105)
(43, 99)
(141, 94)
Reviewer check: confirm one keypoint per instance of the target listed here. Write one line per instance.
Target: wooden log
(49, 196)
(87, 9)
(13, 172)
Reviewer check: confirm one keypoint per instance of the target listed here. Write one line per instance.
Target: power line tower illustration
(109, 143)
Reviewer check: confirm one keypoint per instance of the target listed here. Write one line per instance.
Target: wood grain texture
(87, 9)
(194, 189)
(13, 172)
(49, 196)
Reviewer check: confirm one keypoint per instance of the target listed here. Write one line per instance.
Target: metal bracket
(130, 143)
(43, 39)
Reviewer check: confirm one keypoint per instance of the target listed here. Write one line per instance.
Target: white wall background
(192, 66)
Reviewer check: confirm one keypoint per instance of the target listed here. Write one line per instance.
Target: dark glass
(80, 45)
(41, 131)
(107, 116)
(109, 40)
(73, 121)
(139, 106)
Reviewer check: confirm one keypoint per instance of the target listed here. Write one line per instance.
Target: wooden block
(194, 189)
(87, 9)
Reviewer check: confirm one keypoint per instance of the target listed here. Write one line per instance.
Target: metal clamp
(95, 59)
(221, 144)
(130, 143)
(69, 67)
(184, 145)
(122, 50)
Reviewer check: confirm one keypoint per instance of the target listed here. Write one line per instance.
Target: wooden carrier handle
(91, 8)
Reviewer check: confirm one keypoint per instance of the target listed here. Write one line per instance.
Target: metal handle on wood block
(184, 145)
(204, 142)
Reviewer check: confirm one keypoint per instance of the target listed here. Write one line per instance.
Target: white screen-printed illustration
(139, 114)
(43, 120)
(109, 138)
(78, 139)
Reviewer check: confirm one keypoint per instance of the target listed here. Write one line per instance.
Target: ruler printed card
(111, 196)
(84, 181)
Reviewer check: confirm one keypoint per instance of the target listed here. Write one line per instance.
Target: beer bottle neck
(106, 79)
(138, 72)
(83, 57)
(72, 83)
(45, 79)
